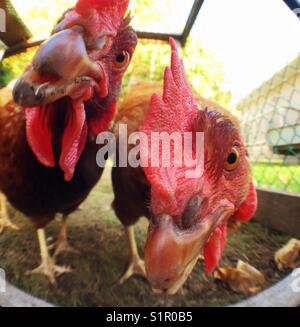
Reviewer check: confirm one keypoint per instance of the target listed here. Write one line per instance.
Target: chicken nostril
(19, 92)
(38, 96)
(24, 93)
(17, 95)
(192, 212)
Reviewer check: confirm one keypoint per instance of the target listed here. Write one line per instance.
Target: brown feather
(37, 191)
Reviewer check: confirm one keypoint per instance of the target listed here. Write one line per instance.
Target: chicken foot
(48, 266)
(4, 218)
(62, 244)
(136, 264)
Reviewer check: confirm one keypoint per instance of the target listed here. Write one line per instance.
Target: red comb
(111, 12)
(120, 6)
(173, 112)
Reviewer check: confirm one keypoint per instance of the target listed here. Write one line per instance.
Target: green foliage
(204, 72)
(279, 177)
(5, 76)
(14, 66)
(41, 16)
(149, 61)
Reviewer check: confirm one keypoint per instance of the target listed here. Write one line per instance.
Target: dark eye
(122, 59)
(233, 159)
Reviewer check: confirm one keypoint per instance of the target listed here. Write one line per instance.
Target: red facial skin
(191, 215)
(79, 62)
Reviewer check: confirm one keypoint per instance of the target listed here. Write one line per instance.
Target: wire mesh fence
(270, 119)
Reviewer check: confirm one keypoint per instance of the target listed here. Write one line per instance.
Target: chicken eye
(122, 59)
(233, 159)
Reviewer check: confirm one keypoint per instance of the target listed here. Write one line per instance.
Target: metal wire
(271, 129)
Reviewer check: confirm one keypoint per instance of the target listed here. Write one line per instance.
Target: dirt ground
(96, 233)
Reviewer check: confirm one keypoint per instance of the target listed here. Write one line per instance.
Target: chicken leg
(48, 266)
(4, 219)
(62, 244)
(136, 265)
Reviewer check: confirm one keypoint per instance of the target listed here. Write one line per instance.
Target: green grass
(97, 233)
(278, 177)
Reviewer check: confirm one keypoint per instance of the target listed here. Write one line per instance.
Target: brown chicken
(61, 103)
(187, 214)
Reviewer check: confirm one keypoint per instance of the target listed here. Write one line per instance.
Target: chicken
(64, 99)
(188, 214)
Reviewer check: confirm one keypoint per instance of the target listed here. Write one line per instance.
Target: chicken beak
(171, 253)
(64, 58)
(65, 55)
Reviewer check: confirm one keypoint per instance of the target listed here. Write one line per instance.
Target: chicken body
(35, 190)
(191, 191)
(49, 123)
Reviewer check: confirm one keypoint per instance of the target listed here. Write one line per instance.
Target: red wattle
(248, 208)
(214, 248)
(74, 139)
(103, 85)
(39, 134)
(101, 121)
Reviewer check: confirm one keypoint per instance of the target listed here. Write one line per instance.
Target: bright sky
(166, 16)
(252, 39)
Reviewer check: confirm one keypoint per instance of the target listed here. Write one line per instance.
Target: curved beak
(60, 67)
(171, 252)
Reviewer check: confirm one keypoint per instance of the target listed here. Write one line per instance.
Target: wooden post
(279, 210)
